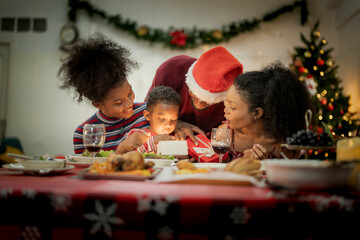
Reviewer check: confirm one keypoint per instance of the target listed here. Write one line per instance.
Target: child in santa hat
(202, 84)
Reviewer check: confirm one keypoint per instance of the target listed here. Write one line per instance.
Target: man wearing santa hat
(202, 84)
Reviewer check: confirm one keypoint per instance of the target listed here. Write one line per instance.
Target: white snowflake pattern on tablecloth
(155, 203)
(323, 202)
(31, 233)
(240, 215)
(61, 202)
(5, 192)
(276, 195)
(29, 193)
(166, 233)
(103, 218)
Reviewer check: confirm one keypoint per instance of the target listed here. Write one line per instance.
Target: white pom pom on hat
(212, 75)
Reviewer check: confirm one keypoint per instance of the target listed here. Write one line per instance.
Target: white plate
(40, 164)
(18, 167)
(79, 158)
(160, 162)
(78, 164)
(306, 174)
(210, 165)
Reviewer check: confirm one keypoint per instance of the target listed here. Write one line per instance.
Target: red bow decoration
(178, 38)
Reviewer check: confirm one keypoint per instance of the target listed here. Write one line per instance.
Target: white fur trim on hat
(201, 93)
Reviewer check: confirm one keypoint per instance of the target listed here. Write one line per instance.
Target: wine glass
(220, 141)
(94, 138)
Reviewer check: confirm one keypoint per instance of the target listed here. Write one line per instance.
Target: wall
(44, 117)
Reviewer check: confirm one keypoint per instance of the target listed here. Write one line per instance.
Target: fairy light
(306, 71)
(331, 117)
(350, 122)
(324, 41)
(322, 73)
(326, 154)
(332, 100)
(318, 95)
(316, 152)
(345, 118)
(350, 134)
(312, 47)
(333, 133)
(320, 117)
(321, 51)
(315, 68)
(336, 94)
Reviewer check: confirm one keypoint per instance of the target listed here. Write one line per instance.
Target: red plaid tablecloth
(66, 207)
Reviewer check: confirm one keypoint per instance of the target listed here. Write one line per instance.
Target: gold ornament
(217, 34)
(329, 63)
(142, 31)
(317, 34)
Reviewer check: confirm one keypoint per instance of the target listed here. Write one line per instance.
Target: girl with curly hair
(97, 70)
(263, 108)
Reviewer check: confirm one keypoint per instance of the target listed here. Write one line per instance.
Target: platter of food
(205, 173)
(128, 166)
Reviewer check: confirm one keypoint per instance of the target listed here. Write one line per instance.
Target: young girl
(162, 111)
(263, 108)
(97, 69)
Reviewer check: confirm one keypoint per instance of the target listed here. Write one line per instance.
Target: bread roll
(243, 165)
(183, 164)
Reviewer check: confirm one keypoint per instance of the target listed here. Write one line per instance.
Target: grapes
(309, 138)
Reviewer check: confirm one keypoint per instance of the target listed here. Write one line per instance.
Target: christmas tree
(316, 67)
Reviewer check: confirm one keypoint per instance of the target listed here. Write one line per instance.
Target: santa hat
(212, 75)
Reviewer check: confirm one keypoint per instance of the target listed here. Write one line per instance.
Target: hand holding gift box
(203, 152)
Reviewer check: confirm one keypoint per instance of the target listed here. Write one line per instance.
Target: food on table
(247, 166)
(310, 138)
(128, 163)
(154, 155)
(186, 167)
(102, 153)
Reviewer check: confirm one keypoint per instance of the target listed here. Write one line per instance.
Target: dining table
(68, 206)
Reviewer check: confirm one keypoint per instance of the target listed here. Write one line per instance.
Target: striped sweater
(116, 129)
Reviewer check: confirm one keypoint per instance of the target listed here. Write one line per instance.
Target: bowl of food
(307, 174)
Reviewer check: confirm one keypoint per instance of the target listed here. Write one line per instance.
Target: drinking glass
(220, 141)
(94, 138)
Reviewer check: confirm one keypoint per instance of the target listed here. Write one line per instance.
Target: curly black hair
(282, 96)
(95, 66)
(162, 94)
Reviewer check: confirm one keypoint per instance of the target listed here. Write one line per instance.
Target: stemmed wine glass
(94, 138)
(220, 141)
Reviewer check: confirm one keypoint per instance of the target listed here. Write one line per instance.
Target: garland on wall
(183, 38)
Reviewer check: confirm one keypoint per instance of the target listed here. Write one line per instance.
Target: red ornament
(309, 76)
(342, 112)
(178, 38)
(340, 126)
(320, 62)
(301, 69)
(330, 107)
(323, 101)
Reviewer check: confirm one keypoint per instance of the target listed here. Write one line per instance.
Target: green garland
(183, 38)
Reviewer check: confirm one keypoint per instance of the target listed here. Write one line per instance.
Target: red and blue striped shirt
(116, 129)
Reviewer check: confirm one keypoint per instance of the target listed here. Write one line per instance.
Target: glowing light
(318, 95)
(306, 71)
(331, 117)
(315, 68)
(345, 117)
(324, 41)
(336, 94)
(312, 47)
(333, 133)
(350, 134)
(326, 154)
(316, 152)
(322, 73)
(332, 100)
(321, 51)
(320, 117)
(342, 135)
(350, 122)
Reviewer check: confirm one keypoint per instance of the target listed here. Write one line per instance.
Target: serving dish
(307, 174)
(80, 158)
(118, 175)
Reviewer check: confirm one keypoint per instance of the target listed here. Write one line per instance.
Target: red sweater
(172, 74)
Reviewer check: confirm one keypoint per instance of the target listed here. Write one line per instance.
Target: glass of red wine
(220, 141)
(94, 138)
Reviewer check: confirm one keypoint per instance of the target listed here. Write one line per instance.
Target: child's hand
(256, 152)
(131, 143)
(162, 137)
